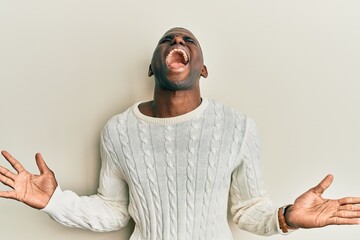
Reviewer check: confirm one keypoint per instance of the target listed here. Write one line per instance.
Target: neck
(171, 103)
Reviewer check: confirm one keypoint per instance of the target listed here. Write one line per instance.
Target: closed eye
(189, 39)
(165, 39)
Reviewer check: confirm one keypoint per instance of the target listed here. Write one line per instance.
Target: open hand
(311, 210)
(33, 190)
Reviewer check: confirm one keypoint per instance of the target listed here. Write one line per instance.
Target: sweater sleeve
(251, 207)
(104, 211)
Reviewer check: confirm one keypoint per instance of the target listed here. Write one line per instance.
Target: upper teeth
(177, 50)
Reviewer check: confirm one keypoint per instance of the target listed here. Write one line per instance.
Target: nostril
(178, 40)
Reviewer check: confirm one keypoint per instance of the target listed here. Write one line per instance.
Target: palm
(312, 210)
(33, 190)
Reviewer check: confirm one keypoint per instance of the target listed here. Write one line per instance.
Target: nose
(178, 40)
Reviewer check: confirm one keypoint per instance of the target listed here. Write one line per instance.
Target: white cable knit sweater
(173, 176)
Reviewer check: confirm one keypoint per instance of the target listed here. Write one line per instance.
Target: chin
(175, 81)
(176, 84)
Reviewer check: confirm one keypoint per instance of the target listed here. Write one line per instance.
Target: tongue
(176, 65)
(177, 61)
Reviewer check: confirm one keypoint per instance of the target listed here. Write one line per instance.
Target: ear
(150, 72)
(204, 72)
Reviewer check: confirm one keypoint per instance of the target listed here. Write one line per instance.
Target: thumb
(323, 185)
(43, 168)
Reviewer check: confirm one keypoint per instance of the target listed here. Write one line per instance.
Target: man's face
(177, 62)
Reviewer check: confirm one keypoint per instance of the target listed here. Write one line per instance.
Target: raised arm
(104, 211)
(254, 212)
(107, 210)
(31, 189)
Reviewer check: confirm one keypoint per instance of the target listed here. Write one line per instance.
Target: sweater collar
(172, 120)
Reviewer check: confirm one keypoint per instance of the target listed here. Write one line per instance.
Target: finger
(323, 185)
(7, 181)
(343, 221)
(7, 173)
(8, 194)
(349, 207)
(349, 200)
(14, 163)
(347, 214)
(43, 168)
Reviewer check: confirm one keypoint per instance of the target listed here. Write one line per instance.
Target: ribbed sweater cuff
(52, 204)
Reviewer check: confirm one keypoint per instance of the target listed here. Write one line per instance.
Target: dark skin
(177, 92)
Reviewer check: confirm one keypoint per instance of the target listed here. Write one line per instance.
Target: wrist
(288, 221)
(285, 222)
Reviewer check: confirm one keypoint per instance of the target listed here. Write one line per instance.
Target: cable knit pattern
(190, 173)
(130, 164)
(127, 153)
(151, 174)
(173, 177)
(211, 167)
(237, 133)
(252, 206)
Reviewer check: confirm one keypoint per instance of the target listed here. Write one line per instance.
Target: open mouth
(177, 59)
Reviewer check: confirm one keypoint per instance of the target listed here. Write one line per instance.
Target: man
(170, 164)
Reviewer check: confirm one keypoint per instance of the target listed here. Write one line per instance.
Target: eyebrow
(168, 36)
(184, 36)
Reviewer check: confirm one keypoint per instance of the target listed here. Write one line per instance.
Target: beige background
(67, 66)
